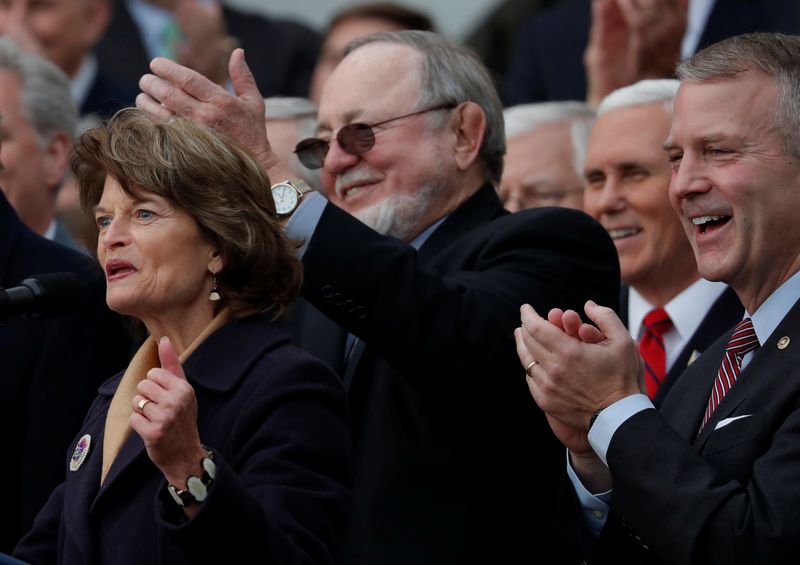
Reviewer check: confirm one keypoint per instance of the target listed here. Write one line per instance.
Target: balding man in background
(546, 146)
(358, 21)
(290, 120)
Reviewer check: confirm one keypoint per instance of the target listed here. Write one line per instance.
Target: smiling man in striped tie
(673, 312)
(711, 477)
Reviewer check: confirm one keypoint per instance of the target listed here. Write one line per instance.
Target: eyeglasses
(355, 139)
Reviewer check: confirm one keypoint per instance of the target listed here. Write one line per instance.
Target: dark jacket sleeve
(281, 494)
(433, 318)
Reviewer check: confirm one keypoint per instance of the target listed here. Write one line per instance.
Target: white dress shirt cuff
(303, 222)
(611, 418)
(594, 507)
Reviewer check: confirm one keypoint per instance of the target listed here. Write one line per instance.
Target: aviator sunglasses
(356, 139)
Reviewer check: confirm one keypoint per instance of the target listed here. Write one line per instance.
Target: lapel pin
(80, 453)
(783, 342)
(693, 357)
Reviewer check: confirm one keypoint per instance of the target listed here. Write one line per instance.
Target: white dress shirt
(699, 11)
(687, 311)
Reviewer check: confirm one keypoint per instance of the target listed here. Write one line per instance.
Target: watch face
(285, 198)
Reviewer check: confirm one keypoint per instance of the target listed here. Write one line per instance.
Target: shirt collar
(767, 317)
(81, 83)
(684, 309)
(50, 233)
(417, 242)
(151, 21)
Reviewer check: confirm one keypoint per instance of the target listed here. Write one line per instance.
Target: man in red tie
(712, 476)
(672, 312)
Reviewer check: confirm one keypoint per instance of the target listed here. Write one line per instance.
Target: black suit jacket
(276, 421)
(548, 63)
(727, 495)
(723, 314)
(50, 370)
(281, 54)
(106, 97)
(449, 448)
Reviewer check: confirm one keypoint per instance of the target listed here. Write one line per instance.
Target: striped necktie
(742, 342)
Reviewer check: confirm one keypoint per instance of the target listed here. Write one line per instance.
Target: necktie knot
(743, 340)
(657, 321)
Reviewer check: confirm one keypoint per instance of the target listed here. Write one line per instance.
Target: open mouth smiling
(621, 233)
(705, 223)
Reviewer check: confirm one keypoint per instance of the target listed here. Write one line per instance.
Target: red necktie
(651, 348)
(742, 342)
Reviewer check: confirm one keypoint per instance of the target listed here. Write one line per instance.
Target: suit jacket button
(338, 300)
(361, 312)
(327, 291)
(349, 306)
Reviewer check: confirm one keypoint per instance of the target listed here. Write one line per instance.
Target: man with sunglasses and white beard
(416, 306)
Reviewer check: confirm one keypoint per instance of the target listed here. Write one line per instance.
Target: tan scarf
(118, 427)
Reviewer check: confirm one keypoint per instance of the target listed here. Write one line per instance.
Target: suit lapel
(352, 362)
(724, 314)
(624, 293)
(685, 403)
(84, 482)
(769, 365)
(481, 207)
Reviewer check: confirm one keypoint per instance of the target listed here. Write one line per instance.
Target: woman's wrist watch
(196, 487)
(287, 195)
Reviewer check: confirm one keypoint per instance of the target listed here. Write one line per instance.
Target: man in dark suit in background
(64, 32)
(712, 476)
(428, 285)
(549, 60)
(673, 312)
(201, 34)
(51, 369)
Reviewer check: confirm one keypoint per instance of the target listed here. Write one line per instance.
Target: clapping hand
(165, 416)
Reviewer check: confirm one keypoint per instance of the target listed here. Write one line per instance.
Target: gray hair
(776, 55)
(525, 118)
(47, 102)
(641, 93)
(303, 112)
(452, 74)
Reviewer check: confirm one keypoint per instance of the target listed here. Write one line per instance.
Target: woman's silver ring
(530, 366)
(142, 403)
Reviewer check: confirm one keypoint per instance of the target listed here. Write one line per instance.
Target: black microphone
(41, 296)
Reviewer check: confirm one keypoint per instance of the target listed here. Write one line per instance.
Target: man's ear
(56, 158)
(470, 128)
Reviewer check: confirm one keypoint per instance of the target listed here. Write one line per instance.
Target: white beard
(399, 215)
